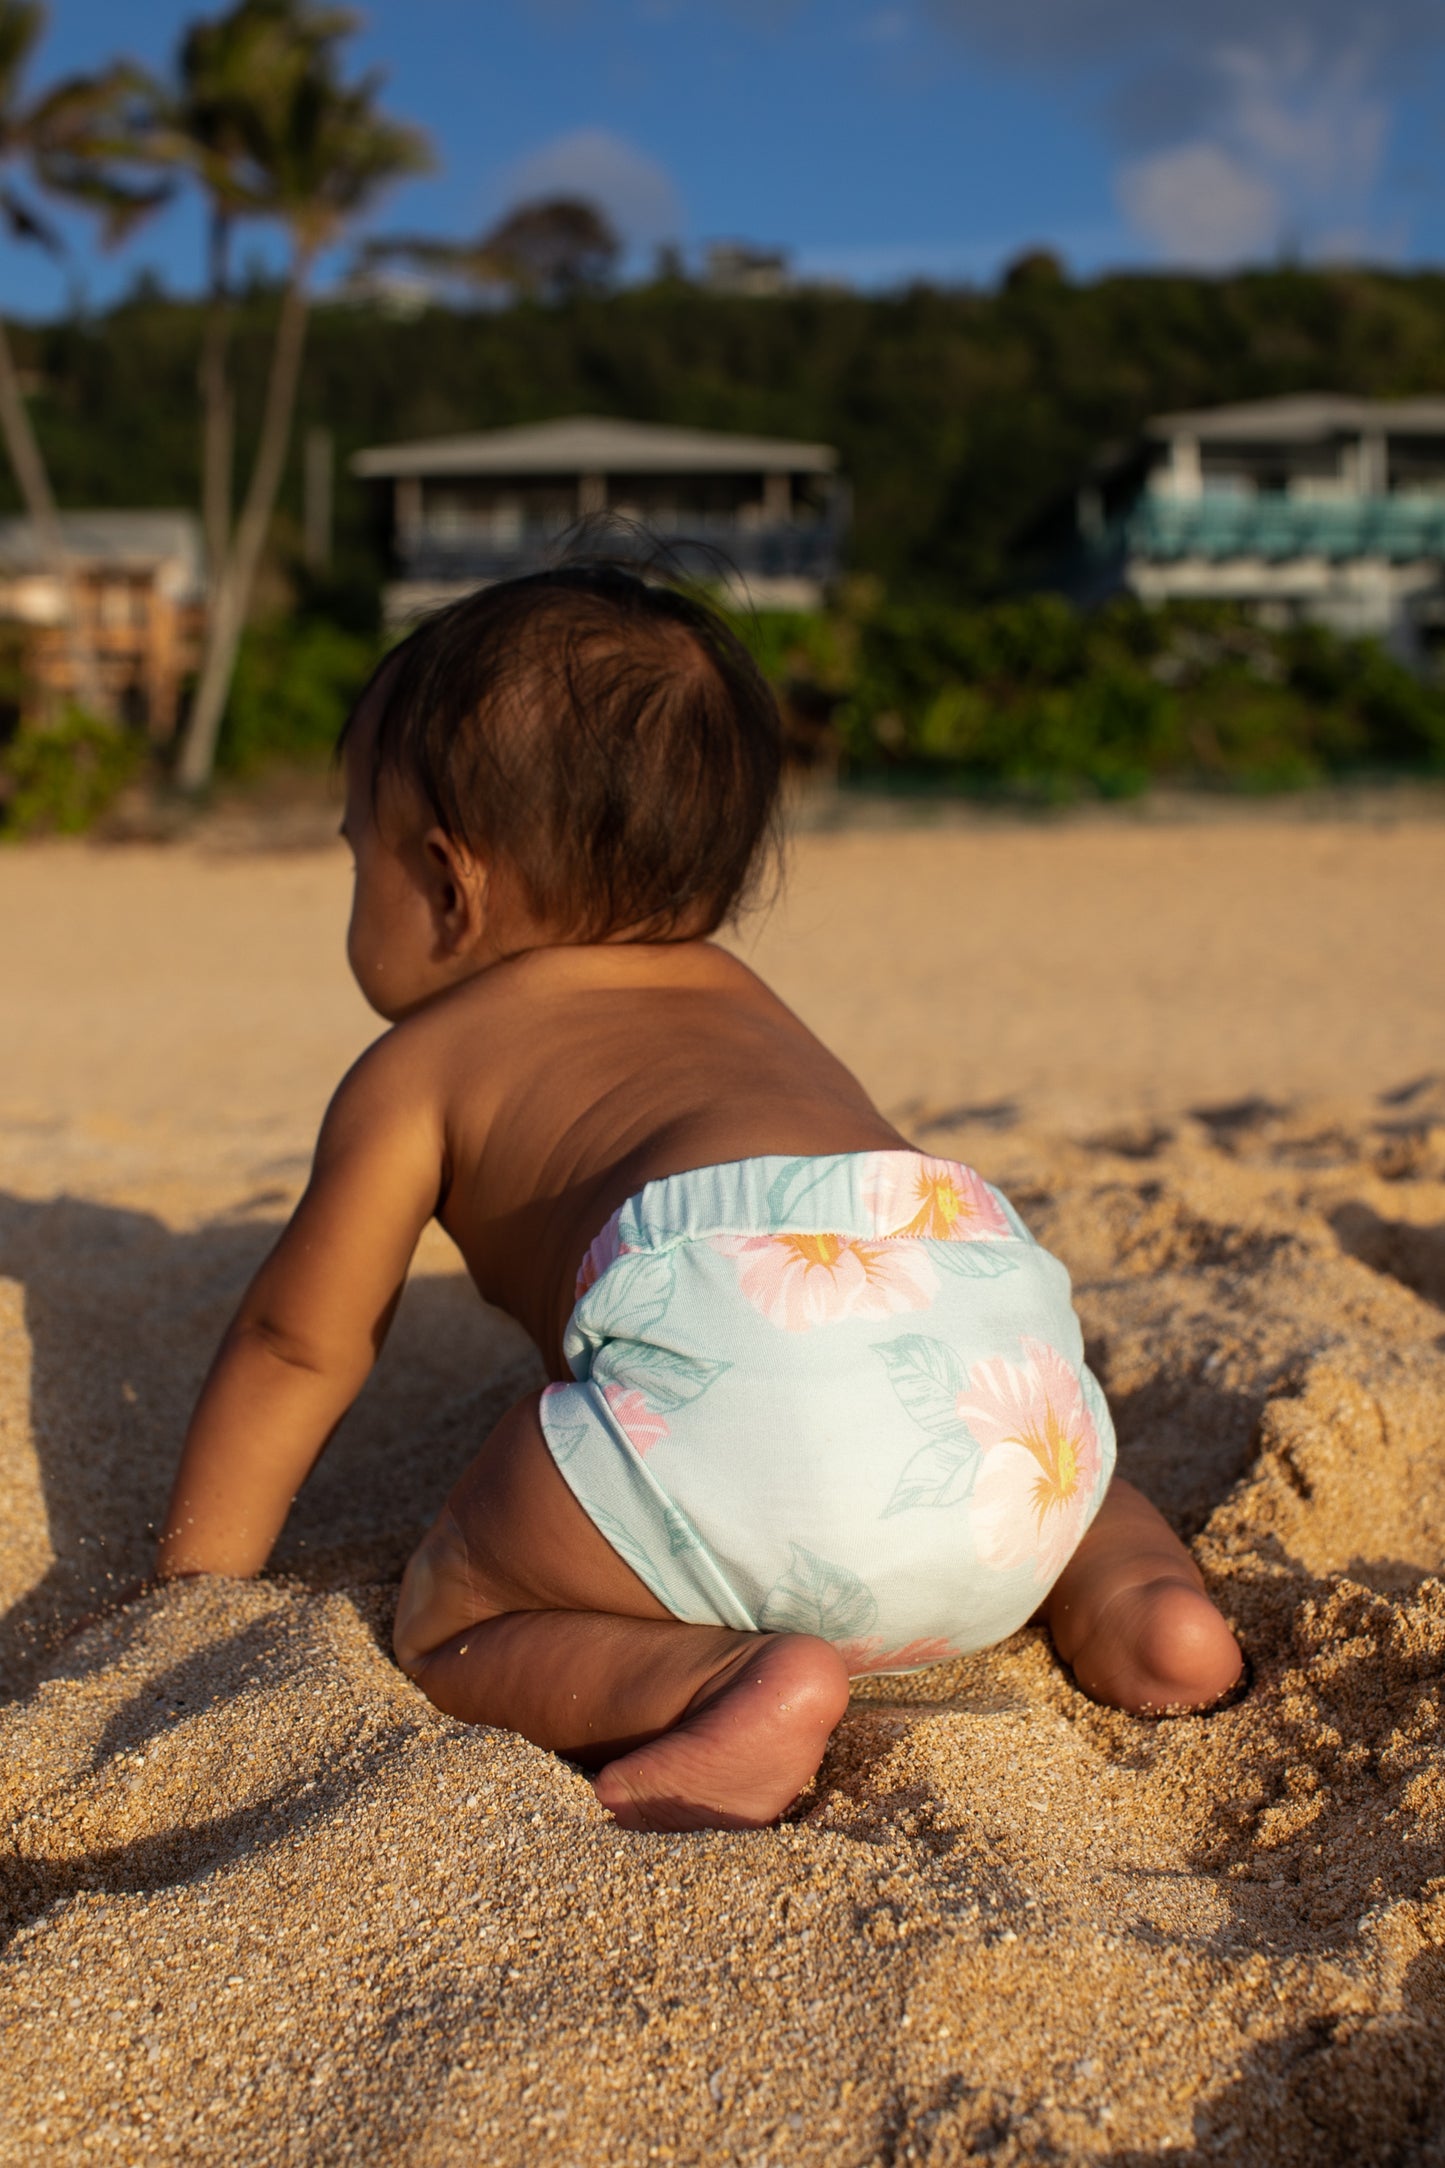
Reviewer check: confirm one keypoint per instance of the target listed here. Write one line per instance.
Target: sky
(876, 141)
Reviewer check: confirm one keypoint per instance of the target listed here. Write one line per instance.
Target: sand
(261, 1903)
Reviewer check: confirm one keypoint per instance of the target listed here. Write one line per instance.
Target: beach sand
(261, 1903)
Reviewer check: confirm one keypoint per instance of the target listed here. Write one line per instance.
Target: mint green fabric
(842, 1396)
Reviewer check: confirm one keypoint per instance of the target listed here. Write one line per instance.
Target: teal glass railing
(1276, 526)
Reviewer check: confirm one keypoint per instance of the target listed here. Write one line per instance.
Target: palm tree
(68, 140)
(272, 132)
(205, 123)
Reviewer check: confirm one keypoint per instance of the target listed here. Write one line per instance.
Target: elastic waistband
(879, 1196)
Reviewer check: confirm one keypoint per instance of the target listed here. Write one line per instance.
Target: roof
(131, 541)
(587, 444)
(1303, 418)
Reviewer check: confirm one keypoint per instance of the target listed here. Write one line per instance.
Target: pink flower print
(641, 1425)
(870, 1655)
(605, 1251)
(1041, 1460)
(933, 1200)
(799, 1281)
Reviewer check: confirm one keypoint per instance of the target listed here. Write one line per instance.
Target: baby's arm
(312, 1322)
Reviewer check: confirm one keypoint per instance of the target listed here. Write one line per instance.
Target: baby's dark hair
(607, 736)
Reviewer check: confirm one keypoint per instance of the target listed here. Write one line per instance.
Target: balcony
(705, 546)
(1273, 526)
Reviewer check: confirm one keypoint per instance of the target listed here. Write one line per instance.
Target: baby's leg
(516, 1611)
(1130, 1617)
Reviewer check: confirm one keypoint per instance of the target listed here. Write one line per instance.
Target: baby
(818, 1403)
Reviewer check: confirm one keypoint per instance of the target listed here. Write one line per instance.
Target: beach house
(1315, 506)
(761, 517)
(137, 581)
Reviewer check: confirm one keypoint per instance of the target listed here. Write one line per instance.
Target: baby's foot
(1160, 1649)
(743, 1748)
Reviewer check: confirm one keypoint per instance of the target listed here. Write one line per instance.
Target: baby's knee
(436, 1598)
(1183, 1646)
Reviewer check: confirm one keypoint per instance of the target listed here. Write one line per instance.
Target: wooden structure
(137, 577)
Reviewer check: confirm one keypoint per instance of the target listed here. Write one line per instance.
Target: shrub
(1037, 699)
(58, 779)
(296, 679)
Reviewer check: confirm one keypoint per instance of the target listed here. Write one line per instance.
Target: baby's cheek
(363, 954)
(355, 950)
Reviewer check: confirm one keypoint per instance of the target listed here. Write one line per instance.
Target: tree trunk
(29, 468)
(217, 410)
(234, 582)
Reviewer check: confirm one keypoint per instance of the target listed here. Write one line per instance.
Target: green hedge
(296, 679)
(58, 779)
(1035, 698)
(1030, 700)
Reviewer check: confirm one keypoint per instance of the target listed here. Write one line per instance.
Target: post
(1186, 480)
(320, 471)
(777, 499)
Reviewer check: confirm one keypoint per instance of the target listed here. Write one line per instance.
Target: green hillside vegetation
(964, 421)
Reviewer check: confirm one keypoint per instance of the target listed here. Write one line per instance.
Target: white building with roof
(764, 517)
(1316, 506)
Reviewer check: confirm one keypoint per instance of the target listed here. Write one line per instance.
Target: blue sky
(878, 140)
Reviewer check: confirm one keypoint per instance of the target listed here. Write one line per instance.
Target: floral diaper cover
(842, 1396)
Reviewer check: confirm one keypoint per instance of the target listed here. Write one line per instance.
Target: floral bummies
(841, 1396)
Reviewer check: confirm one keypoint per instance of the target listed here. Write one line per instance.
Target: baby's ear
(458, 885)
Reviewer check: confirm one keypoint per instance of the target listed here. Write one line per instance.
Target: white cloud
(638, 195)
(1292, 157)
(1199, 206)
(1239, 125)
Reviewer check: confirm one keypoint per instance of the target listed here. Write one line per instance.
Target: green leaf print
(976, 1260)
(564, 1439)
(937, 1475)
(666, 1379)
(631, 1296)
(791, 1187)
(816, 1597)
(681, 1535)
(928, 1378)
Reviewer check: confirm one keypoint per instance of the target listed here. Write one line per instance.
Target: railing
(705, 547)
(1277, 526)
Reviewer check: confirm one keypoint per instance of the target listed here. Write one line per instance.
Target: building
(138, 582)
(739, 269)
(764, 519)
(1311, 507)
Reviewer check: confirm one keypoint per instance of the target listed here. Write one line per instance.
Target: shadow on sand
(122, 1316)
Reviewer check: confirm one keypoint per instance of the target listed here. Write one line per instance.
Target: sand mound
(263, 1902)
(260, 1902)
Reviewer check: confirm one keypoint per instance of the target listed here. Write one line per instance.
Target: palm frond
(86, 140)
(121, 204)
(25, 223)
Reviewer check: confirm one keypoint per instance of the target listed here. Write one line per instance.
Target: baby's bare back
(570, 1077)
